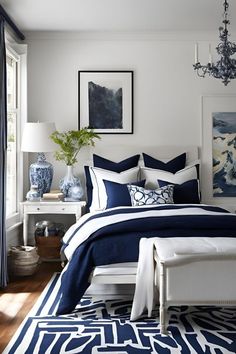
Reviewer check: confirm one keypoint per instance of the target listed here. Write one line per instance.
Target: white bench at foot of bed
(195, 271)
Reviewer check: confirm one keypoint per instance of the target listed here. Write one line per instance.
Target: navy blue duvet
(119, 241)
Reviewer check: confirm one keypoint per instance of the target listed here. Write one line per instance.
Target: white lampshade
(36, 137)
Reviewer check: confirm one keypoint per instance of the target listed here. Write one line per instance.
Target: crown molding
(200, 36)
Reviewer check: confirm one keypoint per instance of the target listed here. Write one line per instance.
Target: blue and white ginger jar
(70, 185)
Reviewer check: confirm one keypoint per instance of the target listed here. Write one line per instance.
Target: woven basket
(23, 260)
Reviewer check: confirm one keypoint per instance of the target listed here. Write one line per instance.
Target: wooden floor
(19, 297)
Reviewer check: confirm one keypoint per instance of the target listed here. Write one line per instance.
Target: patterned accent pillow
(140, 196)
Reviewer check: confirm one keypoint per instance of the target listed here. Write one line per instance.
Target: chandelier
(225, 67)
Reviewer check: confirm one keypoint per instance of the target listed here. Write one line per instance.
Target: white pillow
(99, 196)
(152, 175)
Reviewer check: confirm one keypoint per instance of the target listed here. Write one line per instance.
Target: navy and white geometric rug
(98, 326)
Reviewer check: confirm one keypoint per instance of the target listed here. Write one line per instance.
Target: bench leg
(163, 309)
(163, 329)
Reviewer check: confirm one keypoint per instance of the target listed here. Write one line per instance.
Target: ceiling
(118, 15)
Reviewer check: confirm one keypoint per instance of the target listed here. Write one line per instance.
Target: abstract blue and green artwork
(224, 154)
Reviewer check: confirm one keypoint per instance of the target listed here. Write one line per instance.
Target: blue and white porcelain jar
(70, 185)
(33, 195)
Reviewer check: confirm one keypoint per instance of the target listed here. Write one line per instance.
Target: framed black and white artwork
(106, 101)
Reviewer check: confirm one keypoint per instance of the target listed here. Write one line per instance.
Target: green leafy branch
(71, 142)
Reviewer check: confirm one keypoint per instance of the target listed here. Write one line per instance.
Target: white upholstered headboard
(117, 153)
(120, 152)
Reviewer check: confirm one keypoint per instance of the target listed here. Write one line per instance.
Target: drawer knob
(63, 209)
(38, 208)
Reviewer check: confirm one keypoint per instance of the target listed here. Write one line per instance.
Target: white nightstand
(36, 208)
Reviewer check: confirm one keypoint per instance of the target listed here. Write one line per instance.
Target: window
(12, 139)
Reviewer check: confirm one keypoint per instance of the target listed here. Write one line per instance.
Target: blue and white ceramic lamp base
(41, 174)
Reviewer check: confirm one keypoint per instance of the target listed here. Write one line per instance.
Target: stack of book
(53, 195)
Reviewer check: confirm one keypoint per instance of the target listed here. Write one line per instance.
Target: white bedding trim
(95, 224)
(116, 269)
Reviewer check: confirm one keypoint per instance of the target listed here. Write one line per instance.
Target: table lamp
(36, 138)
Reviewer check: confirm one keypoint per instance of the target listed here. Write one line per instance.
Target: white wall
(167, 92)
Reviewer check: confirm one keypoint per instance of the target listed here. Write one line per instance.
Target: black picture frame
(105, 101)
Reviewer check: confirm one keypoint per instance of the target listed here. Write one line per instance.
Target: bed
(121, 214)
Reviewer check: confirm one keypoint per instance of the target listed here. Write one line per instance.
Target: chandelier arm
(225, 67)
(202, 70)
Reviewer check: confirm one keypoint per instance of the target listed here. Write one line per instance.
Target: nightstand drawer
(47, 209)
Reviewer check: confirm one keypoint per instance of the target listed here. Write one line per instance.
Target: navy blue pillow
(121, 166)
(174, 165)
(89, 187)
(101, 162)
(185, 193)
(118, 194)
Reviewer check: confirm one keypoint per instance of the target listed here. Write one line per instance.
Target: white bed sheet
(126, 268)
